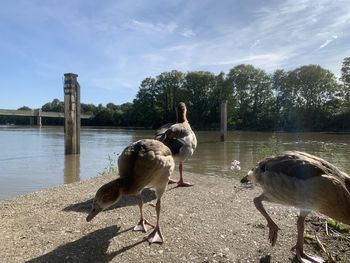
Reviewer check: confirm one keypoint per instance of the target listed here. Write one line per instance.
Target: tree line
(308, 98)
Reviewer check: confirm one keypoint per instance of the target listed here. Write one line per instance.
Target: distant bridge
(38, 114)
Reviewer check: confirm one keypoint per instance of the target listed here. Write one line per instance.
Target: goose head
(105, 197)
(181, 112)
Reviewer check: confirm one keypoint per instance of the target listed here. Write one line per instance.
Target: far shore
(195, 128)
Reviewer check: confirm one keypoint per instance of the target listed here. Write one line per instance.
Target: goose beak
(94, 211)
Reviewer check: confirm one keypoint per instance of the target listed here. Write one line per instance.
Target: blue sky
(114, 45)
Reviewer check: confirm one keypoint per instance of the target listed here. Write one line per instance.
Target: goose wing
(176, 136)
(298, 164)
(140, 156)
(177, 131)
(160, 133)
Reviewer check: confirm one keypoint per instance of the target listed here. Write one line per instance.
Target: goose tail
(160, 137)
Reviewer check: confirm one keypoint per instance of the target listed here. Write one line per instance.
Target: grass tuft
(337, 226)
(112, 166)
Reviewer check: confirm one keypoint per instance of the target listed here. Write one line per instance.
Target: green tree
(222, 91)
(340, 108)
(169, 92)
(87, 108)
(104, 117)
(26, 108)
(145, 111)
(313, 88)
(112, 106)
(199, 87)
(56, 106)
(253, 97)
(127, 110)
(284, 110)
(345, 78)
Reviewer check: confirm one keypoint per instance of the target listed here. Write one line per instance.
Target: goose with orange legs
(144, 163)
(181, 140)
(306, 182)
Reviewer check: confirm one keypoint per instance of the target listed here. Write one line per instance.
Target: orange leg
(181, 182)
(273, 228)
(143, 225)
(299, 247)
(156, 235)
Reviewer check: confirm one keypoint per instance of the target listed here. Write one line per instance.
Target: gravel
(214, 221)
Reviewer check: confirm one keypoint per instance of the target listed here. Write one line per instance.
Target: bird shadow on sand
(268, 259)
(265, 259)
(84, 207)
(90, 248)
(296, 260)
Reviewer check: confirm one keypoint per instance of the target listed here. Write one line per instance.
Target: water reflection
(71, 168)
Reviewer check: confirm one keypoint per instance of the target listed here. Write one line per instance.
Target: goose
(144, 163)
(306, 182)
(181, 140)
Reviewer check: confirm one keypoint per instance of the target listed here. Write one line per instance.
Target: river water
(33, 158)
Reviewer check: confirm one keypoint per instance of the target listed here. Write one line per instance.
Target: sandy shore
(214, 221)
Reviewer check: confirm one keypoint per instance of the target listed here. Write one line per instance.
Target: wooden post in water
(223, 121)
(71, 168)
(71, 114)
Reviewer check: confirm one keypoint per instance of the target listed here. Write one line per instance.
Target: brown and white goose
(143, 163)
(304, 181)
(181, 140)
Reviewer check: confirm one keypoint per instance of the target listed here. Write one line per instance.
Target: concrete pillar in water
(38, 117)
(223, 121)
(71, 114)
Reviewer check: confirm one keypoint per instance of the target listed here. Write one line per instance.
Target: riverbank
(214, 221)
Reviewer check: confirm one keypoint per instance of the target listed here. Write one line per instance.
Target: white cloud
(180, 47)
(188, 33)
(298, 30)
(122, 42)
(148, 27)
(255, 44)
(163, 28)
(328, 41)
(267, 59)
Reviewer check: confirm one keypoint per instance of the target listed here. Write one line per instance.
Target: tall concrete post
(223, 121)
(71, 114)
(38, 117)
